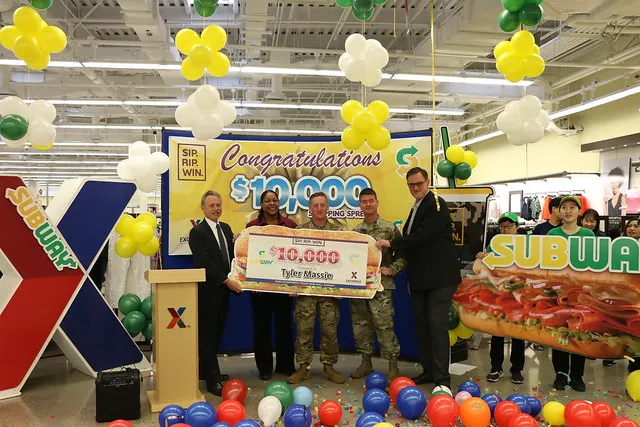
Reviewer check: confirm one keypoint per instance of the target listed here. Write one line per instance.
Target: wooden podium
(175, 337)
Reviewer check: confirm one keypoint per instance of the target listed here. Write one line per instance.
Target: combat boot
(332, 375)
(364, 369)
(394, 372)
(303, 373)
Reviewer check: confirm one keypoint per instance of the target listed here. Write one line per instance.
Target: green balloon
(531, 14)
(380, 1)
(282, 391)
(362, 5)
(148, 331)
(362, 16)
(209, 3)
(513, 5)
(534, 1)
(41, 4)
(128, 303)
(134, 323)
(463, 171)
(445, 168)
(344, 3)
(13, 127)
(508, 21)
(146, 307)
(203, 10)
(440, 392)
(454, 320)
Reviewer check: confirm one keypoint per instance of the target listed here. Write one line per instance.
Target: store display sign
(579, 294)
(307, 262)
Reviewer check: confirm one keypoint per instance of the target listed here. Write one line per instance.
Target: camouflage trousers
(375, 314)
(305, 316)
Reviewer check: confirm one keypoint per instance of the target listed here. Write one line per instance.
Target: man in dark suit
(434, 275)
(211, 244)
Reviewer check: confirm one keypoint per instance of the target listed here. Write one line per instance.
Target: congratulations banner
(240, 170)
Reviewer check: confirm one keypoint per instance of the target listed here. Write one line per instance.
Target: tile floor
(58, 395)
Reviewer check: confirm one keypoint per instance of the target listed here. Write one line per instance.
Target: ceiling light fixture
(459, 79)
(63, 153)
(9, 168)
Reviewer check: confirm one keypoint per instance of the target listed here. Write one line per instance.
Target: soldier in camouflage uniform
(307, 306)
(377, 313)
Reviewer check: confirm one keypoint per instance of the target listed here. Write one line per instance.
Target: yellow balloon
(190, 71)
(380, 111)
(124, 224)
(515, 77)
(220, 64)
(522, 43)
(470, 158)
(508, 63)
(141, 233)
(40, 63)
(384, 425)
(536, 50)
(461, 181)
(350, 109)
(201, 55)
(453, 338)
(42, 147)
(186, 39)
(553, 413)
(455, 154)
(8, 36)
(633, 385)
(351, 139)
(533, 65)
(126, 247)
(27, 20)
(27, 48)
(148, 218)
(364, 122)
(379, 139)
(463, 332)
(52, 39)
(214, 36)
(150, 248)
(503, 47)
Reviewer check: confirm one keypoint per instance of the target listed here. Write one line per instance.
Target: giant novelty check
(307, 262)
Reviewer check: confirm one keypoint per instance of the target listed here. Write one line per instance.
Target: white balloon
(532, 132)
(207, 128)
(41, 133)
(159, 162)
(206, 98)
(269, 410)
(516, 138)
(226, 112)
(18, 143)
(372, 77)
(147, 183)
(376, 55)
(185, 115)
(530, 106)
(507, 123)
(139, 166)
(513, 107)
(6, 5)
(355, 70)
(356, 45)
(41, 110)
(543, 118)
(13, 105)
(139, 149)
(344, 59)
(124, 170)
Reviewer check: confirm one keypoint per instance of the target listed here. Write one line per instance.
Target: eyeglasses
(415, 184)
(507, 226)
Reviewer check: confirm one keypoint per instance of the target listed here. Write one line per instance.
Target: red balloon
(231, 411)
(442, 411)
(523, 420)
(504, 411)
(119, 423)
(397, 385)
(234, 389)
(580, 413)
(330, 413)
(622, 422)
(605, 413)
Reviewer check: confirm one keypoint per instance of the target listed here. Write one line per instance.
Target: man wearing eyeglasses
(434, 275)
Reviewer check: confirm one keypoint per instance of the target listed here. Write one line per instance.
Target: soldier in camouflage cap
(377, 313)
(305, 312)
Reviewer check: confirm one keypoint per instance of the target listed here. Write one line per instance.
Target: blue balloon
(297, 416)
(246, 423)
(535, 407)
(221, 424)
(492, 401)
(376, 380)
(521, 401)
(369, 419)
(200, 414)
(302, 396)
(170, 415)
(471, 387)
(411, 402)
(376, 400)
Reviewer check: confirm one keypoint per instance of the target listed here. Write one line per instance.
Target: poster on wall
(615, 174)
(578, 295)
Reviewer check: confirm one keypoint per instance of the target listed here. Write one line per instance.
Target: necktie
(223, 248)
(412, 214)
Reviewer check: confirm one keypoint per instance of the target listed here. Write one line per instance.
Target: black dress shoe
(265, 377)
(215, 388)
(423, 378)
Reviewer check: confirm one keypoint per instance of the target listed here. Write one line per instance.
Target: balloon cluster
(520, 12)
(205, 8)
(366, 124)
(143, 167)
(202, 52)
(457, 329)
(32, 39)
(523, 121)
(580, 413)
(138, 315)
(519, 58)
(458, 163)
(137, 235)
(205, 114)
(280, 398)
(363, 60)
(21, 123)
(362, 10)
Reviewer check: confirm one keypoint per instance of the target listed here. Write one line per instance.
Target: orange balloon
(475, 412)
